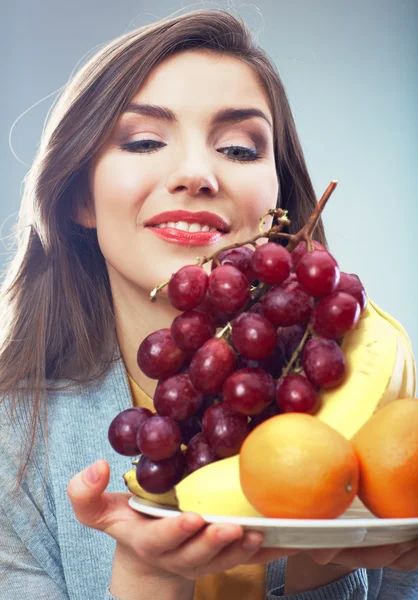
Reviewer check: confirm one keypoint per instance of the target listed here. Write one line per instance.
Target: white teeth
(183, 226)
(195, 227)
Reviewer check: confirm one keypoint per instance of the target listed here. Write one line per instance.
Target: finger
(200, 550)
(233, 554)
(91, 505)
(161, 536)
(408, 561)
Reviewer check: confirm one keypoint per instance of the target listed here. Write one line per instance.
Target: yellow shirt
(244, 581)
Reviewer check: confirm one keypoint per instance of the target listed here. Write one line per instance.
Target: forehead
(203, 79)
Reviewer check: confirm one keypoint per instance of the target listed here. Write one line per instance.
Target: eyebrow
(224, 115)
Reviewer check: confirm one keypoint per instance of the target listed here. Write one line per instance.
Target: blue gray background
(350, 69)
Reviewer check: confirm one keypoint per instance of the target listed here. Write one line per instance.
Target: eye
(142, 146)
(239, 153)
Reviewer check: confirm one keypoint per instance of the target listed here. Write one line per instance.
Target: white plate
(356, 527)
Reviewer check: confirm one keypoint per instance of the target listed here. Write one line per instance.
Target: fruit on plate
(272, 330)
(215, 490)
(294, 466)
(387, 451)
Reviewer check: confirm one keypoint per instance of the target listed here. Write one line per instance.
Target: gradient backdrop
(350, 69)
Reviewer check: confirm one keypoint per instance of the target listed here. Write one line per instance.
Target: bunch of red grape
(282, 317)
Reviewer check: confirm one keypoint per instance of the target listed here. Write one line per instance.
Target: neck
(137, 317)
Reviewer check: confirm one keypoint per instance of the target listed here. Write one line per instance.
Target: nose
(194, 177)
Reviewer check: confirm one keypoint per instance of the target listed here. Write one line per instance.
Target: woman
(184, 115)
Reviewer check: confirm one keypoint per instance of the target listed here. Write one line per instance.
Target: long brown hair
(56, 306)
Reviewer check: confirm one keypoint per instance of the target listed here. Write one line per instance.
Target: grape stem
(295, 355)
(225, 331)
(275, 232)
(153, 294)
(307, 230)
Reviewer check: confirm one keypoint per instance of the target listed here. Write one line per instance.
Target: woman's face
(182, 146)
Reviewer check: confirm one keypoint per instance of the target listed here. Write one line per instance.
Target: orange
(294, 466)
(387, 450)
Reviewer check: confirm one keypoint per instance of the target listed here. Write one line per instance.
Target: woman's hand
(396, 556)
(320, 567)
(183, 545)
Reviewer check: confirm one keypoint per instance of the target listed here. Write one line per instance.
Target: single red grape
(199, 453)
(323, 362)
(187, 287)
(191, 329)
(158, 356)
(237, 257)
(271, 263)
(249, 391)
(158, 477)
(318, 273)
(123, 429)
(301, 249)
(351, 284)
(159, 438)
(335, 315)
(224, 429)
(211, 365)
(253, 336)
(176, 397)
(228, 289)
(287, 304)
(294, 393)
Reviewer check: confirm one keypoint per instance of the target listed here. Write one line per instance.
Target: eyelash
(136, 147)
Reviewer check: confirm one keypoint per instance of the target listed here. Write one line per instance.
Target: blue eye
(240, 153)
(142, 146)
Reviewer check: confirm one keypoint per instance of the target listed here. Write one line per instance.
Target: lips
(202, 217)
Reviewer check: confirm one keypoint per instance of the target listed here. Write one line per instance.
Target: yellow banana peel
(215, 490)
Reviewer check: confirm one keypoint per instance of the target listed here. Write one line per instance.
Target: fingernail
(226, 534)
(191, 523)
(405, 547)
(92, 474)
(252, 542)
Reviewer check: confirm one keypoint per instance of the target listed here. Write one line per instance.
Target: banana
(375, 360)
(409, 380)
(391, 320)
(408, 387)
(215, 490)
(169, 498)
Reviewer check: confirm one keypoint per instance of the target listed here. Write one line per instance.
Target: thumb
(85, 491)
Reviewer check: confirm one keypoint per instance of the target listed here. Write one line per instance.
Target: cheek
(119, 189)
(259, 194)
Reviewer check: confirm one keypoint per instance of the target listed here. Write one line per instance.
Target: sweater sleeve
(353, 586)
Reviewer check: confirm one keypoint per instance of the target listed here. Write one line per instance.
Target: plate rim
(336, 524)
